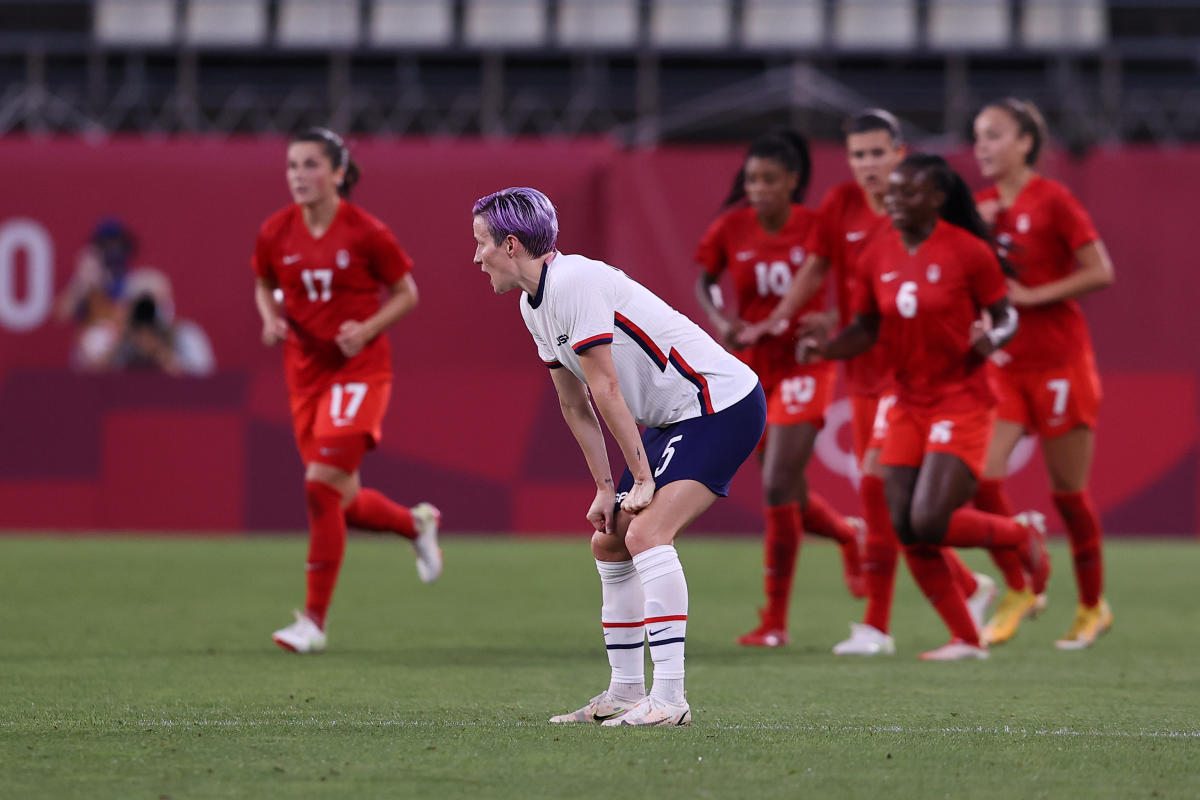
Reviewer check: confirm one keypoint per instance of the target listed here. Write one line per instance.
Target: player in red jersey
(761, 241)
(330, 260)
(1046, 378)
(851, 214)
(930, 277)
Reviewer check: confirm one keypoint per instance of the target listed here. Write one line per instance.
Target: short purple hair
(521, 212)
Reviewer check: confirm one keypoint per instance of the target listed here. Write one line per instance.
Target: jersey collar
(536, 299)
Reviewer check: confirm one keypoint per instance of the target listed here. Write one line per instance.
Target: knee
(927, 527)
(783, 487)
(609, 547)
(642, 537)
(322, 497)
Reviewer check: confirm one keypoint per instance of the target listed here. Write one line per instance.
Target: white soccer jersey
(669, 369)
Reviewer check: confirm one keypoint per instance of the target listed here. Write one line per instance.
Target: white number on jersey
(338, 393)
(882, 409)
(313, 277)
(940, 432)
(798, 391)
(668, 454)
(906, 299)
(773, 278)
(1062, 391)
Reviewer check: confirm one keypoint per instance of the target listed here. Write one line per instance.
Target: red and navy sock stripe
(625, 645)
(665, 621)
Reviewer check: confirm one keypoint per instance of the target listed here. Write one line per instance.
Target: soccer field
(144, 668)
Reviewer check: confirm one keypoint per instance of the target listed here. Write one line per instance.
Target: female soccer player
(1046, 378)
(643, 363)
(330, 259)
(850, 215)
(930, 277)
(762, 240)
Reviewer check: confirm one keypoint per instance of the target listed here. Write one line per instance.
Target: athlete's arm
(601, 376)
(727, 329)
(581, 419)
(354, 335)
(274, 328)
(1095, 272)
(805, 285)
(1004, 322)
(857, 337)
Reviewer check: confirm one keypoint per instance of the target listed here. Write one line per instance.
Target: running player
(762, 241)
(643, 363)
(930, 277)
(851, 214)
(330, 260)
(1046, 378)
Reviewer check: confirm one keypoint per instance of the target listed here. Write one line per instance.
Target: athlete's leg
(992, 498)
(882, 546)
(323, 489)
(1068, 461)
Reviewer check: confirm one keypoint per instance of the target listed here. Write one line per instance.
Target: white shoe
(956, 650)
(302, 636)
(865, 640)
(426, 519)
(651, 711)
(981, 600)
(601, 708)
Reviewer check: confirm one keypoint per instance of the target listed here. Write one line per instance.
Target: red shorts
(326, 422)
(869, 421)
(802, 396)
(913, 432)
(1049, 402)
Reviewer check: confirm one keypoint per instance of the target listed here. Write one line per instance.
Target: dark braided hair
(784, 145)
(959, 206)
(337, 152)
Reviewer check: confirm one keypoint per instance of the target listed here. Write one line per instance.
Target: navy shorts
(708, 449)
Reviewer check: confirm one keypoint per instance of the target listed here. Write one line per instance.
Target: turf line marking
(401, 723)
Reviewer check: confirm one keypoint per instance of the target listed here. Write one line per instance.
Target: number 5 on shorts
(667, 455)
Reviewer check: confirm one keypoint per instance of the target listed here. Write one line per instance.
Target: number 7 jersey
(326, 282)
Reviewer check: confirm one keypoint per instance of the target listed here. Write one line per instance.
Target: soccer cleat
(769, 633)
(956, 650)
(1091, 622)
(1033, 552)
(865, 640)
(302, 636)
(602, 707)
(426, 519)
(981, 599)
(650, 711)
(852, 550)
(1014, 607)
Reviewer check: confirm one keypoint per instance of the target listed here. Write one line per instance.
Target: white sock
(621, 614)
(666, 618)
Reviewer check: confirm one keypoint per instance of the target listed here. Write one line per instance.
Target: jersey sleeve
(388, 261)
(823, 233)
(586, 310)
(1072, 221)
(710, 253)
(260, 261)
(862, 299)
(984, 276)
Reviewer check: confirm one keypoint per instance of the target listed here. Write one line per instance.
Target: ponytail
(789, 148)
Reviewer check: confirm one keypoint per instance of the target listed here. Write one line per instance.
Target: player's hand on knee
(601, 512)
(639, 496)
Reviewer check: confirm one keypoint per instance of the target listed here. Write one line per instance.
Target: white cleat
(956, 650)
(650, 711)
(981, 600)
(302, 636)
(865, 640)
(427, 519)
(601, 708)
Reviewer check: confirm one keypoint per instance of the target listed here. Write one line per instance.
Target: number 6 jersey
(325, 282)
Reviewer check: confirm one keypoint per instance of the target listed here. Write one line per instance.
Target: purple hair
(521, 212)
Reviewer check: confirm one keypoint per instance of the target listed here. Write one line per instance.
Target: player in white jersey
(644, 363)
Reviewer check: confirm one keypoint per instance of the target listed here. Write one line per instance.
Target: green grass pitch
(143, 668)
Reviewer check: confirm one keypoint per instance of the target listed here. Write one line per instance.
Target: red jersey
(1039, 235)
(762, 265)
(928, 301)
(846, 223)
(325, 282)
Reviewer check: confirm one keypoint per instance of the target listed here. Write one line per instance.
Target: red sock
(821, 520)
(963, 577)
(784, 528)
(373, 511)
(1083, 527)
(929, 569)
(879, 554)
(991, 498)
(971, 528)
(326, 546)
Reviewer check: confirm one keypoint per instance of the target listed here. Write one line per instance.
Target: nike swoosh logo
(854, 236)
(889, 276)
(745, 255)
(290, 259)
(660, 630)
(602, 717)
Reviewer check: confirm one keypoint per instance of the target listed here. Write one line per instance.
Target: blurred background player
(931, 275)
(851, 214)
(762, 240)
(1046, 378)
(331, 260)
(643, 363)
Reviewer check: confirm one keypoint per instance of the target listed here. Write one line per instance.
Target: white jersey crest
(669, 369)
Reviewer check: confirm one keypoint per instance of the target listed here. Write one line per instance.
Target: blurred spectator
(153, 340)
(93, 297)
